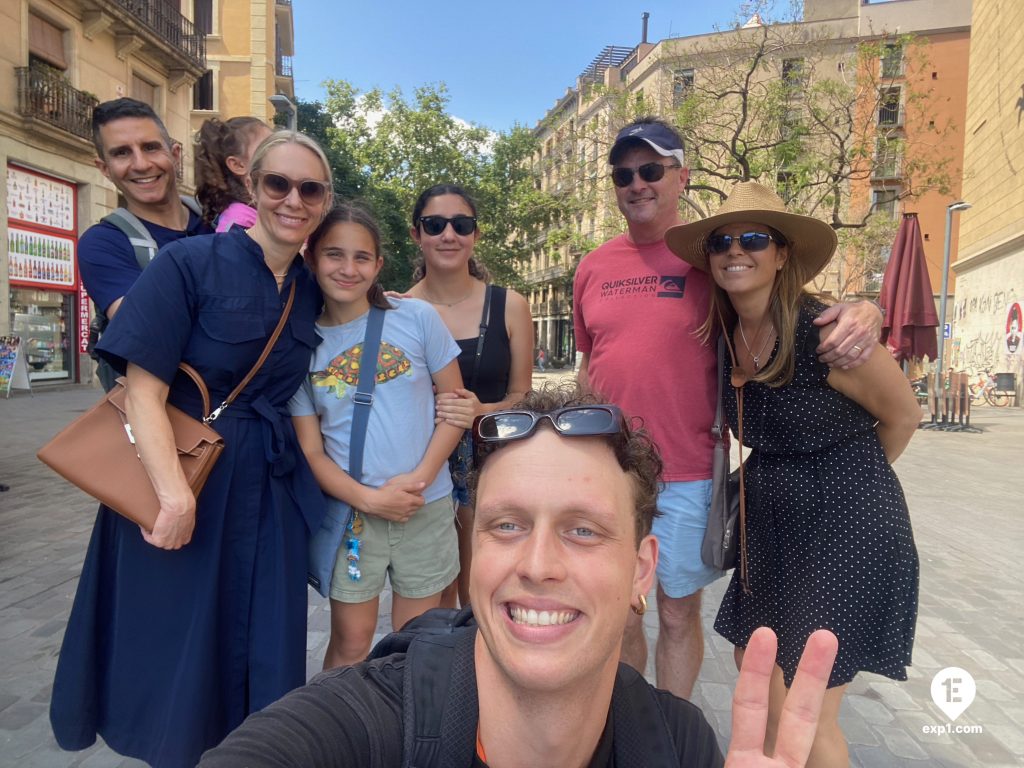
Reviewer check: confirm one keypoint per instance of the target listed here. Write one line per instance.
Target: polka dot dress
(829, 543)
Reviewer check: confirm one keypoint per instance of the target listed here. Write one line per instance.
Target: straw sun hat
(811, 241)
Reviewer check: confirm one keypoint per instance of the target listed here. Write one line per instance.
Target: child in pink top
(223, 153)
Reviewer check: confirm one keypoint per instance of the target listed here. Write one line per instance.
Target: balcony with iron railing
(552, 308)
(181, 43)
(45, 94)
(545, 275)
(283, 66)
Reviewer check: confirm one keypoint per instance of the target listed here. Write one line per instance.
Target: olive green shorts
(420, 557)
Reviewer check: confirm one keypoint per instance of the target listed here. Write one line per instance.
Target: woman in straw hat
(828, 536)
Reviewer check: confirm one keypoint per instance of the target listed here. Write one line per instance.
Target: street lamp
(957, 206)
(283, 105)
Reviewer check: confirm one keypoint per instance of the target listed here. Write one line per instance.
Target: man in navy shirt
(135, 152)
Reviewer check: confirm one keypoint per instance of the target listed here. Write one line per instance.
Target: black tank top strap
(492, 375)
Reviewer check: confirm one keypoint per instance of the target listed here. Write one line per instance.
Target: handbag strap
(485, 319)
(724, 341)
(209, 417)
(363, 398)
(717, 429)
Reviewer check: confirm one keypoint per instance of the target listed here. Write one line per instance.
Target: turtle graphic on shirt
(343, 371)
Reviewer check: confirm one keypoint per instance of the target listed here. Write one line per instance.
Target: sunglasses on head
(623, 177)
(574, 421)
(435, 225)
(749, 241)
(277, 187)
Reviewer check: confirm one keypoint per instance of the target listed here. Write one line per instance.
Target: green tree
(387, 149)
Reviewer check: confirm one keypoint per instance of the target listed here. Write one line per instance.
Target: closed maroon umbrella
(910, 320)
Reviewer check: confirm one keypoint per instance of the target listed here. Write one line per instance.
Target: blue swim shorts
(680, 529)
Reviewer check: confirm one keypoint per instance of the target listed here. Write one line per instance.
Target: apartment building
(986, 312)
(575, 134)
(249, 50)
(58, 59)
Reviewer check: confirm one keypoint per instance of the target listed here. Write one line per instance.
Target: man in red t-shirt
(636, 310)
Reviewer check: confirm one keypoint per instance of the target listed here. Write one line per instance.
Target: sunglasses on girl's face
(434, 225)
(749, 241)
(277, 187)
(574, 421)
(623, 177)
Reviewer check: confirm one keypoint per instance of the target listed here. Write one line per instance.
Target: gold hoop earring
(642, 609)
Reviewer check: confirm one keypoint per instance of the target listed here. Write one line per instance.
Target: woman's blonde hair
(277, 139)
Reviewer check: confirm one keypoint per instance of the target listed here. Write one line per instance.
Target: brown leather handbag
(96, 452)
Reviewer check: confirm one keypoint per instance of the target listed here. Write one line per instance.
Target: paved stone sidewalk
(964, 492)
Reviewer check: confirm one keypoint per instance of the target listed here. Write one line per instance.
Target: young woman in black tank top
(498, 372)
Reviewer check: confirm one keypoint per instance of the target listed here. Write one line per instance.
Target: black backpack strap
(440, 711)
(641, 737)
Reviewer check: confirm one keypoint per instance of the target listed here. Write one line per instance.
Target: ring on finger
(857, 348)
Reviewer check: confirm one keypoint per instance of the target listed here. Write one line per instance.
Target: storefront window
(41, 319)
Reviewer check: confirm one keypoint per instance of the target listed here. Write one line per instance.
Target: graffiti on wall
(985, 304)
(990, 332)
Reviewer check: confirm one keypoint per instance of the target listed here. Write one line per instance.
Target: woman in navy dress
(178, 633)
(828, 537)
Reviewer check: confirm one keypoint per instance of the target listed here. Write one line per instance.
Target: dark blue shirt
(107, 260)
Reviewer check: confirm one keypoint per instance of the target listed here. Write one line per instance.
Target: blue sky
(503, 62)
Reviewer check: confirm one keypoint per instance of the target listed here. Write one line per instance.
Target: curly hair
(634, 450)
(419, 265)
(217, 186)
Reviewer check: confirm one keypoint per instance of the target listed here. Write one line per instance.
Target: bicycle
(984, 389)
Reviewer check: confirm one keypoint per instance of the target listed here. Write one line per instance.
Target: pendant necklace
(755, 357)
(450, 304)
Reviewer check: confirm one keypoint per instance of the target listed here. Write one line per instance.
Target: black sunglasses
(277, 187)
(574, 421)
(749, 241)
(434, 225)
(623, 177)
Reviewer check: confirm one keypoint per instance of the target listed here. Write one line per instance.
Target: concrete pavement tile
(894, 696)
(107, 758)
(924, 660)
(900, 743)
(315, 639)
(952, 756)
(990, 690)
(719, 696)
(874, 712)
(15, 628)
(986, 660)
(857, 731)
(49, 628)
(879, 757)
(6, 700)
(1009, 735)
(987, 749)
(15, 718)
(919, 725)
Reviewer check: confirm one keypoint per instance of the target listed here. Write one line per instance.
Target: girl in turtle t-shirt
(401, 524)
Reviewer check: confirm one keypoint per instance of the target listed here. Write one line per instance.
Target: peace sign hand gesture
(799, 719)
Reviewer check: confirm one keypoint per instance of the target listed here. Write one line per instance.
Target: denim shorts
(420, 557)
(680, 530)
